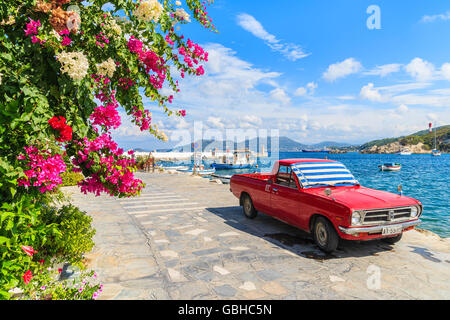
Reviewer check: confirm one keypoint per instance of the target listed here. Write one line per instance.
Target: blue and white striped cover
(318, 174)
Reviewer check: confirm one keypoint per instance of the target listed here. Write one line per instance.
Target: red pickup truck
(323, 198)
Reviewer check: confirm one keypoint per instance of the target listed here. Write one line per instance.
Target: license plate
(387, 231)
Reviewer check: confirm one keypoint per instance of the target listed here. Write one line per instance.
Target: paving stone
(169, 254)
(274, 288)
(225, 291)
(221, 270)
(207, 251)
(195, 232)
(248, 286)
(269, 275)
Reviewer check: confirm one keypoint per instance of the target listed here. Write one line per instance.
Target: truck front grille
(390, 215)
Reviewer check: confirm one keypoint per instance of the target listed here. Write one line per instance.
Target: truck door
(284, 196)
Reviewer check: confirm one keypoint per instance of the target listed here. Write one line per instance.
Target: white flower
(55, 34)
(106, 68)
(112, 28)
(182, 14)
(75, 64)
(149, 10)
(178, 3)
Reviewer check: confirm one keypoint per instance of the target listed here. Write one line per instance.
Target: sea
(423, 177)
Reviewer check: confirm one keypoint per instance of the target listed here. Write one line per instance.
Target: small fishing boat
(241, 159)
(390, 166)
(199, 171)
(405, 152)
(436, 153)
(224, 178)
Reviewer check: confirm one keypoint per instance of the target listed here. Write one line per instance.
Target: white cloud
(215, 122)
(445, 71)
(342, 69)
(310, 89)
(289, 50)
(370, 93)
(384, 70)
(252, 119)
(312, 86)
(280, 95)
(301, 91)
(402, 108)
(420, 69)
(433, 18)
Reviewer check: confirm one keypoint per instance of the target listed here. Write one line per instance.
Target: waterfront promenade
(186, 238)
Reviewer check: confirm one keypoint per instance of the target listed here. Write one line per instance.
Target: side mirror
(270, 181)
(327, 192)
(400, 189)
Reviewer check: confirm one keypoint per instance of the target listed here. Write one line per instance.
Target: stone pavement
(186, 238)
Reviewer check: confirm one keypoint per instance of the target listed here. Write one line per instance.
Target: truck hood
(358, 198)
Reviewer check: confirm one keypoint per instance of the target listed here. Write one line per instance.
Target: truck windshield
(323, 173)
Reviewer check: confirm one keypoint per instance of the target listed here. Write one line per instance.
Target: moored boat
(405, 152)
(390, 166)
(224, 178)
(198, 171)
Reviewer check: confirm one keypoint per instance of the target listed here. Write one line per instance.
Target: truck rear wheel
(393, 240)
(325, 236)
(248, 208)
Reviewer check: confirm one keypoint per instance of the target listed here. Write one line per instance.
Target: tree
(66, 66)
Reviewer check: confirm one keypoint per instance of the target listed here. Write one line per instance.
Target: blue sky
(314, 70)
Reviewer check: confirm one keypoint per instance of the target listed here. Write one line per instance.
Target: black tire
(247, 207)
(393, 240)
(325, 236)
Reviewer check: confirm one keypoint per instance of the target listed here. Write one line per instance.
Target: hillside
(285, 145)
(419, 142)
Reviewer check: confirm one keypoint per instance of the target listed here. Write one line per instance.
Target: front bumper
(378, 229)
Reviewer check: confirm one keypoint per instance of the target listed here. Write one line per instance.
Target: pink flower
(95, 295)
(66, 41)
(32, 27)
(27, 276)
(28, 250)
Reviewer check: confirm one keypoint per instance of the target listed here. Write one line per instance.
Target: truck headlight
(414, 212)
(356, 218)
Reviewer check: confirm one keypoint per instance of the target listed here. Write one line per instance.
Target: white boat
(241, 159)
(405, 152)
(435, 152)
(198, 171)
(390, 167)
(224, 178)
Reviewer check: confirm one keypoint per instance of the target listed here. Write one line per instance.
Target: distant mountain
(331, 144)
(423, 137)
(285, 144)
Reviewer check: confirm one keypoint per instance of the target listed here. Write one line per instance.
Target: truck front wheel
(393, 240)
(325, 235)
(247, 206)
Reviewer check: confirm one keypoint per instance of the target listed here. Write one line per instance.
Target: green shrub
(74, 237)
(21, 224)
(71, 178)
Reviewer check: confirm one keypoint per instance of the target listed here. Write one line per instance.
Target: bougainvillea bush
(66, 67)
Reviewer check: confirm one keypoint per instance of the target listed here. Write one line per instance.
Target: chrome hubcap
(247, 205)
(321, 234)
